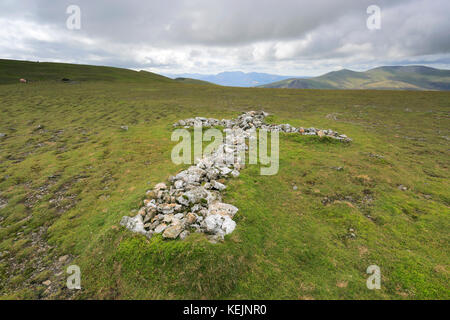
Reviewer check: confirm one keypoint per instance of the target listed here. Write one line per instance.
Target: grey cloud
(202, 35)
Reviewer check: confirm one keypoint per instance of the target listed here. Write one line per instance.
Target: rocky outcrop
(191, 200)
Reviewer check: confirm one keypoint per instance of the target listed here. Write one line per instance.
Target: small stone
(179, 216)
(63, 259)
(224, 209)
(161, 186)
(147, 226)
(146, 220)
(124, 128)
(295, 188)
(2, 135)
(191, 218)
(142, 211)
(320, 133)
(225, 171)
(168, 218)
(228, 225)
(195, 195)
(168, 208)
(154, 224)
(184, 234)
(47, 283)
(218, 186)
(207, 186)
(179, 184)
(151, 195)
(183, 200)
(213, 223)
(172, 232)
(160, 228)
(402, 187)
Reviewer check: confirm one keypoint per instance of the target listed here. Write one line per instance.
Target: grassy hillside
(12, 70)
(387, 78)
(68, 173)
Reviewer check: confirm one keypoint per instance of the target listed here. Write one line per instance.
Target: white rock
(182, 200)
(213, 223)
(179, 216)
(183, 235)
(196, 194)
(179, 184)
(218, 186)
(161, 186)
(151, 204)
(219, 225)
(225, 170)
(221, 208)
(235, 173)
(134, 224)
(160, 228)
(172, 232)
(228, 225)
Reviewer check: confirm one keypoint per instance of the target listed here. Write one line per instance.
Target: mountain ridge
(414, 77)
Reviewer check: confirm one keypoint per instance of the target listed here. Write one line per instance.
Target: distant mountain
(387, 78)
(235, 78)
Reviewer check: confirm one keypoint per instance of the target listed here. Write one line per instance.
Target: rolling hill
(12, 70)
(381, 78)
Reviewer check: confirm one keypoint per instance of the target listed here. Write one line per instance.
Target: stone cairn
(191, 201)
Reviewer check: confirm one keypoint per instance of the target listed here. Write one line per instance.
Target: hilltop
(387, 78)
(13, 70)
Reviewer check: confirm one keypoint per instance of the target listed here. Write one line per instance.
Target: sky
(295, 38)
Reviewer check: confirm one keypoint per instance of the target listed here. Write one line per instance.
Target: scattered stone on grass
(192, 201)
(47, 283)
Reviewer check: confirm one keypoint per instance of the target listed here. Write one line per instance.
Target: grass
(68, 182)
(13, 70)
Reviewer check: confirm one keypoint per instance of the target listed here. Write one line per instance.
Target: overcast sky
(210, 36)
